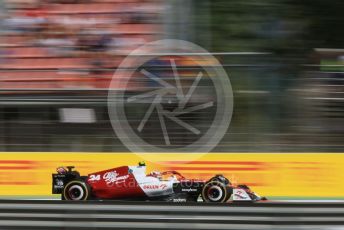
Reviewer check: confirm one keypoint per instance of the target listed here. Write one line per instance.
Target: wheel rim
(214, 193)
(75, 192)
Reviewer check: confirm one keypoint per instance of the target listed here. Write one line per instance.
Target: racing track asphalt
(19, 214)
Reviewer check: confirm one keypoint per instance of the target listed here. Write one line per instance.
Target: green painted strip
(304, 198)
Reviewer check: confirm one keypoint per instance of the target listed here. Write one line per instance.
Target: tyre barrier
(151, 215)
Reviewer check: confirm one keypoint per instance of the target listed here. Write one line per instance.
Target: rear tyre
(216, 192)
(76, 190)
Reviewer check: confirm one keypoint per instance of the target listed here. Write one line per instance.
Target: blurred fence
(271, 112)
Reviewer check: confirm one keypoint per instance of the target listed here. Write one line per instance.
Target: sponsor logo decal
(179, 200)
(189, 190)
(112, 177)
(155, 186)
(58, 184)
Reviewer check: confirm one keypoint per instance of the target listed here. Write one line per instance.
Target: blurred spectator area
(71, 43)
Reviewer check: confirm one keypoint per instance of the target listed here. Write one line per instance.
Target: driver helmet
(142, 163)
(61, 170)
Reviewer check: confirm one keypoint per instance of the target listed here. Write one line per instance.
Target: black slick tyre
(216, 192)
(76, 190)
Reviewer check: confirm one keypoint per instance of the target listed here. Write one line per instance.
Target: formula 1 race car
(132, 183)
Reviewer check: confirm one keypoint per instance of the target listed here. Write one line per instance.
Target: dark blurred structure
(285, 59)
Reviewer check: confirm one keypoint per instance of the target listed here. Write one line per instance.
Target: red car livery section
(114, 183)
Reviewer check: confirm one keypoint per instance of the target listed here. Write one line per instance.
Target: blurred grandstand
(57, 54)
(58, 57)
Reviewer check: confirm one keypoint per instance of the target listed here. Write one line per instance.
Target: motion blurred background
(285, 59)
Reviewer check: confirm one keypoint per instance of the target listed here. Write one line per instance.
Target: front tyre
(215, 191)
(76, 190)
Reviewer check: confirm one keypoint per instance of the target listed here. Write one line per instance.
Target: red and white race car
(132, 183)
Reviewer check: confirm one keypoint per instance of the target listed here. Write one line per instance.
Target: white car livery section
(152, 186)
(240, 194)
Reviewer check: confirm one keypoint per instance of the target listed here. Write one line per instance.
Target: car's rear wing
(58, 182)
